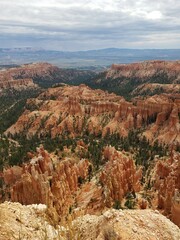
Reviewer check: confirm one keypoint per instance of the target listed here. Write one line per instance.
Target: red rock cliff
(166, 186)
(75, 109)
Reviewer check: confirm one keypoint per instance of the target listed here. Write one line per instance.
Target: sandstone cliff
(146, 78)
(119, 176)
(166, 186)
(146, 70)
(19, 84)
(44, 74)
(77, 109)
(155, 88)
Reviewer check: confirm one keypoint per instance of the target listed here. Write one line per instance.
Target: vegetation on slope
(134, 143)
(12, 104)
(124, 86)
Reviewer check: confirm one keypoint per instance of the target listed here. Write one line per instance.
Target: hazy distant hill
(92, 59)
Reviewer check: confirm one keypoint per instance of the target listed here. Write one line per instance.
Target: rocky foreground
(33, 222)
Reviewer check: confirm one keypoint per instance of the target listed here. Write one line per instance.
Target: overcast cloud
(90, 24)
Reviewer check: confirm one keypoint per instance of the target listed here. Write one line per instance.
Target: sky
(69, 25)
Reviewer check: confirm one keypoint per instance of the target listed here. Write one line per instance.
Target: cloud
(88, 24)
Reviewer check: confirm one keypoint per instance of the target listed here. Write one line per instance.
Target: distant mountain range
(92, 59)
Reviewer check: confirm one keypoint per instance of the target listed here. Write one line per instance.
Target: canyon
(67, 183)
(77, 109)
(146, 70)
(70, 186)
(79, 158)
(141, 78)
(29, 76)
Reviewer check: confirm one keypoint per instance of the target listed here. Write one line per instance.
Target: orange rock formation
(119, 176)
(25, 76)
(46, 180)
(65, 184)
(76, 109)
(166, 185)
(146, 70)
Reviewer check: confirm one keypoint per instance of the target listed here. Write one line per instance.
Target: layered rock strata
(144, 71)
(75, 110)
